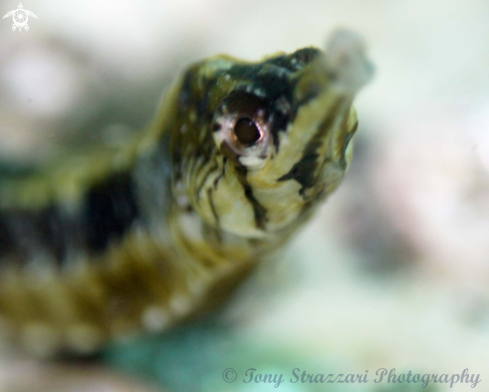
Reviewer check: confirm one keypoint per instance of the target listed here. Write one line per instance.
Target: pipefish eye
(241, 129)
(247, 132)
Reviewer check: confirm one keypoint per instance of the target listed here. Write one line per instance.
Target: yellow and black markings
(239, 156)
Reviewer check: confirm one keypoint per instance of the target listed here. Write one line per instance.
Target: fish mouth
(337, 74)
(315, 149)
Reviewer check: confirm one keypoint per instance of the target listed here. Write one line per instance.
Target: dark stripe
(211, 168)
(6, 240)
(304, 170)
(110, 210)
(61, 232)
(210, 196)
(260, 212)
(49, 232)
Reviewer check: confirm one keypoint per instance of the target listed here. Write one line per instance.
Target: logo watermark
(20, 16)
(229, 375)
(382, 375)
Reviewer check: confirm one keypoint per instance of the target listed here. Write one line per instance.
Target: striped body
(238, 157)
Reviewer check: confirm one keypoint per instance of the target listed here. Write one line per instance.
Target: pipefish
(238, 158)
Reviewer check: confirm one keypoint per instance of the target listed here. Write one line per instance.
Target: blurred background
(394, 270)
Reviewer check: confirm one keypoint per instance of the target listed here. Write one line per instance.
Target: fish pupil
(246, 131)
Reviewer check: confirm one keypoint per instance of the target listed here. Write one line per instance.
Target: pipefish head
(258, 145)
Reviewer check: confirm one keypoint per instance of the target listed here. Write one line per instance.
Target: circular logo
(20, 18)
(229, 375)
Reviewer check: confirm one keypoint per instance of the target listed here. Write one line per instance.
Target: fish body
(239, 156)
